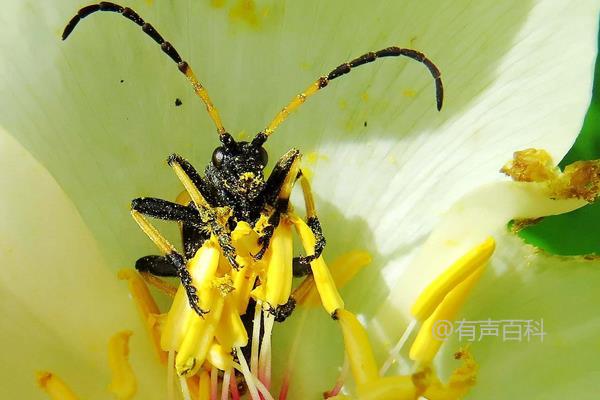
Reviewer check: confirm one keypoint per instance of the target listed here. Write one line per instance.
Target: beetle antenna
(166, 47)
(346, 68)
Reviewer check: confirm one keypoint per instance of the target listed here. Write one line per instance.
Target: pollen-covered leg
(215, 221)
(277, 191)
(174, 257)
(312, 221)
(330, 297)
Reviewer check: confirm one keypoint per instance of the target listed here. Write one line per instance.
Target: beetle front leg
(312, 221)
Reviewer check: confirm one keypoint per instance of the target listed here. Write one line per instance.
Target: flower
(99, 111)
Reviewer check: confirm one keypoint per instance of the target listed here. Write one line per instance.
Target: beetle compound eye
(218, 156)
(263, 156)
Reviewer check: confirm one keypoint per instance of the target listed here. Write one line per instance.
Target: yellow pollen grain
(124, 383)
(146, 307)
(54, 387)
(358, 348)
(429, 340)
(433, 294)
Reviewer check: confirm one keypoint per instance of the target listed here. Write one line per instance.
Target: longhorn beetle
(234, 188)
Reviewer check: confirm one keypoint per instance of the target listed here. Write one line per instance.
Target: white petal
(58, 300)
(517, 74)
(561, 291)
(482, 213)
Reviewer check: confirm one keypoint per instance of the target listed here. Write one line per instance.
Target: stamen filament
(264, 367)
(225, 385)
(248, 376)
(185, 391)
(214, 387)
(395, 351)
(255, 337)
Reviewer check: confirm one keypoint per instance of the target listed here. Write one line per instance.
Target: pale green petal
(563, 292)
(517, 74)
(58, 300)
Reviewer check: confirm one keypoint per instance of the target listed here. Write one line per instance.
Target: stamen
(235, 394)
(339, 382)
(389, 388)
(219, 357)
(460, 382)
(248, 377)
(146, 307)
(433, 294)
(55, 387)
(255, 337)
(171, 376)
(185, 391)
(231, 331)
(395, 351)
(278, 282)
(214, 381)
(358, 348)
(343, 269)
(124, 383)
(199, 336)
(204, 387)
(225, 386)
(328, 292)
(427, 344)
(264, 367)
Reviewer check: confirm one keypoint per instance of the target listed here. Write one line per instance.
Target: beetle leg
(278, 189)
(215, 223)
(173, 257)
(312, 221)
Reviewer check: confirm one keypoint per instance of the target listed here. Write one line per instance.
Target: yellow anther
(202, 268)
(231, 331)
(278, 283)
(388, 388)
(146, 307)
(343, 269)
(430, 338)
(328, 292)
(358, 348)
(245, 239)
(124, 383)
(243, 282)
(199, 336)
(54, 387)
(433, 294)
(219, 357)
(178, 319)
(204, 386)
